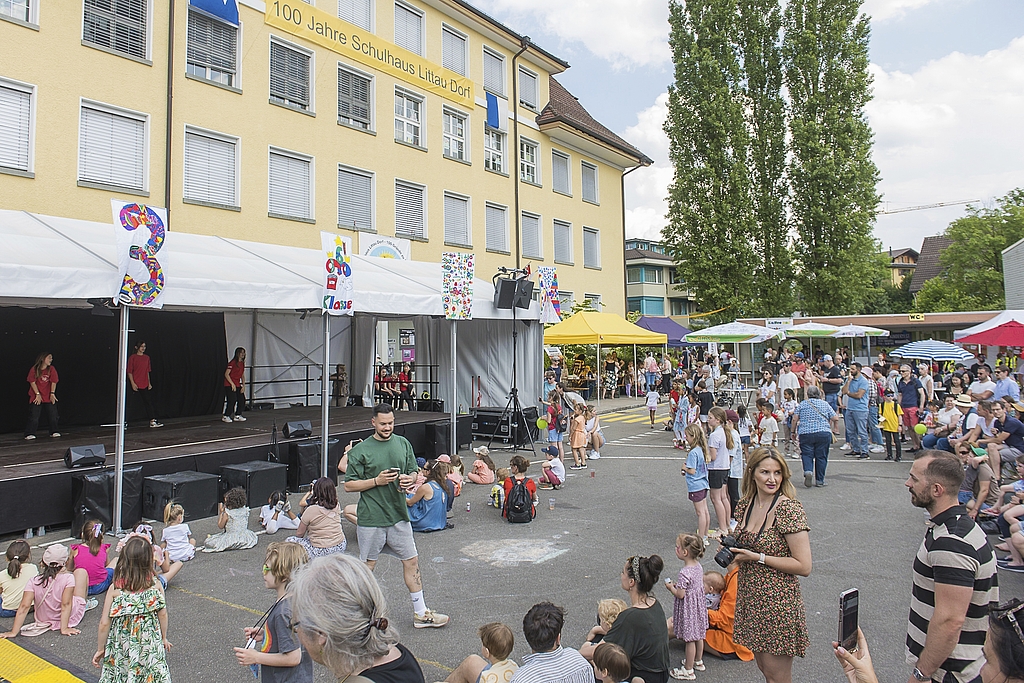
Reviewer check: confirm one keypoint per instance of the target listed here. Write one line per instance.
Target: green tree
(971, 275)
(711, 215)
(832, 176)
(883, 297)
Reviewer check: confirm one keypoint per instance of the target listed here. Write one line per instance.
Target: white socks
(418, 604)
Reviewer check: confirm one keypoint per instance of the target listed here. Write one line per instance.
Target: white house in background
(1013, 275)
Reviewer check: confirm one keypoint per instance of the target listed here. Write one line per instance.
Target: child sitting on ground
(277, 513)
(233, 518)
(492, 665)
(274, 646)
(714, 586)
(163, 569)
(517, 471)
(15, 577)
(176, 539)
(58, 596)
(611, 663)
(483, 467)
(498, 489)
(552, 472)
(608, 610)
(90, 558)
(457, 466)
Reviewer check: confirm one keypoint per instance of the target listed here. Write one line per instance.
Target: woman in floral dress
(132, 641)
(774, 551)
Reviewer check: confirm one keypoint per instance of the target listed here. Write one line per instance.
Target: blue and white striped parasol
(930, 349)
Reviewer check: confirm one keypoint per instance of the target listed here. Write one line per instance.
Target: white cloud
(647, 188)
(626, 33)
(946, 132)
(880, 10)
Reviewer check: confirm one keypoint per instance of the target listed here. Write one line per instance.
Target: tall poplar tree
(832, 177)
(711, 215)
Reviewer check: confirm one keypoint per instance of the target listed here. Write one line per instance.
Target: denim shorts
(103, 585)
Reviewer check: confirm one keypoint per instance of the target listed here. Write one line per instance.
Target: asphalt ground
(864, 534)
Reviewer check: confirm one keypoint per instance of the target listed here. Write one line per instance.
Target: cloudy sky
(948, 108)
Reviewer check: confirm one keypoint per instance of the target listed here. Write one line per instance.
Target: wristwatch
(920, 676)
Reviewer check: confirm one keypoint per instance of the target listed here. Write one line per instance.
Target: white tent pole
(600, 371)
(122, 379)
(325, 399)
(453, 446)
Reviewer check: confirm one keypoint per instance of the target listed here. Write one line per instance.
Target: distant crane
(887, 210)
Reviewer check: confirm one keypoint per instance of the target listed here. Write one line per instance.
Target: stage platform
(35, 486)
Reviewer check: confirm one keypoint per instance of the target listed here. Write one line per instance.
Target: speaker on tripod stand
(511, 293)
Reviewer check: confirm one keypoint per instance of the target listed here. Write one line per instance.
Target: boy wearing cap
(891, 422)
(553, 471)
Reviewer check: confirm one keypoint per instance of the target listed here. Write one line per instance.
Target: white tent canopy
(995, 321)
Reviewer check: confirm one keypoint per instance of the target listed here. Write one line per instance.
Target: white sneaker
(239, 418)
(430, 619)
(154, 424)
(225, 418)
(877, 449)
(29, 437)
(55, 435)
(846, 446)
(594, 455)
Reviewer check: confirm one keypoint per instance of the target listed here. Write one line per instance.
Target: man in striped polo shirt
(549, 662)
(955, 579)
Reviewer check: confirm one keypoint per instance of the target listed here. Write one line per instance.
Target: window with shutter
(358, 12)
(589, 182)
(494, 150)
(496, 227)
(289, 75)
(453, 50)
(117, 25)
(408, 28)
(211, 173)
(354, 99)
(528, 89)
(565, 300)
(494, 72)
(15, 126)
(17, 9)
(560, 173)
(456, 220)
(563, 242)
(410, 210)
(112, 148)
(408, 113)
(290, 185)
(591, 248)
(531, 235)
(454, 134)
(212, 49)
(355, 199)
(593, 301)
(528, 153)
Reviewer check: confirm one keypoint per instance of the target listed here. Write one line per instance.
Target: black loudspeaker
(438, 436)
(504, 293)
(298, 430)
(430, 405)
(85, 456)
(354, 400)
(304, 462)
(92, 494)
(259, 478)
(464, 430)
(512, 429)
(524, 293)
(197, 492)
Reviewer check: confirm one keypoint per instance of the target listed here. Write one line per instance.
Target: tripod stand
(513, 408)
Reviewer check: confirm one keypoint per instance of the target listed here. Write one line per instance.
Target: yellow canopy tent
(591, 327)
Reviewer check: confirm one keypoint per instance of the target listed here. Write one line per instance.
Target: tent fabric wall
(996, 320)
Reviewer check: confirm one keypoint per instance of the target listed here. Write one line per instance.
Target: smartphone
(396, 470)
(848, 619)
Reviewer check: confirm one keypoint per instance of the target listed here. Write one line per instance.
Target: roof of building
(636, 254)
(505, 29)
(563, 107)
(928, 261)
(896, 253)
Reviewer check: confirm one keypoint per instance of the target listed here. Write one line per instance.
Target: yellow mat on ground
(18, 665)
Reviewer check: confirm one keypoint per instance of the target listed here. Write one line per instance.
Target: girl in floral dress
(132, 640)
(689, 621)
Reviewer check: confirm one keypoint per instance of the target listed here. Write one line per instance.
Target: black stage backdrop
(188, 352)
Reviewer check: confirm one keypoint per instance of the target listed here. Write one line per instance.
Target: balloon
(542, 423)
(920, 428)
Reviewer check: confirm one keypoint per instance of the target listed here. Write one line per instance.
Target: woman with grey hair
(340, 615)
(814, 421)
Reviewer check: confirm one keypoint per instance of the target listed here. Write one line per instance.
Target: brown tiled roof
(896, 253)
(563, 107)
(928, 262)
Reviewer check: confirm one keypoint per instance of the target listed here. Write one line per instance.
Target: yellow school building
(273, 122)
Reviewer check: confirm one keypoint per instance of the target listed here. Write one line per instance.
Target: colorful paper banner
(337, 273)
(550, 306)
(457, 285)
(140, 232)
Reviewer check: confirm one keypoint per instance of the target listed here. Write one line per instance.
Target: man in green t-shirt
(379, 468)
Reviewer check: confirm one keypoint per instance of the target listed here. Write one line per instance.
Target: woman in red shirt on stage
(139, 367)
(42, 391)
(234, 383)
(405, 387)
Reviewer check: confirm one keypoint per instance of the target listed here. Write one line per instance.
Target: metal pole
(122, 379)
(632, 380)
(325, 399)
(252, 358)
(599, 370)
(453, 445)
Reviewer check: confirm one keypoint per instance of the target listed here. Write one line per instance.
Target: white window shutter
(563, 241)
(494, 73)
(409, 213)
(289, 186)
(496, 228)
(531, 235)
(560, 172)
(210, 172)
(456, 220)
(112, 149)
(591, 248)
(355, 197)
(528, 89)
(408, 29)
(356, 12)
(589, 183)
(15, 127)
(453, 51)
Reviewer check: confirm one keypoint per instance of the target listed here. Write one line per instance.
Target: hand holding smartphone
(849, 618)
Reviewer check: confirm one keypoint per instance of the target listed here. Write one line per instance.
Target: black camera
(725, 556)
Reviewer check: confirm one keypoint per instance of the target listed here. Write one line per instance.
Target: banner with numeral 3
(141, 230)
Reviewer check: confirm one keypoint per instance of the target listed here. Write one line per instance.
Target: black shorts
(717, 478)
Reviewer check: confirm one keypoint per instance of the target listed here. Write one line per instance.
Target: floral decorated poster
(457, 285)
(550, 306)
(140, 230)
(337, 273)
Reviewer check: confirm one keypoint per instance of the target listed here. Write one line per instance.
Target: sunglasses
(294, 625)
(1008, 612)
(266, 569)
